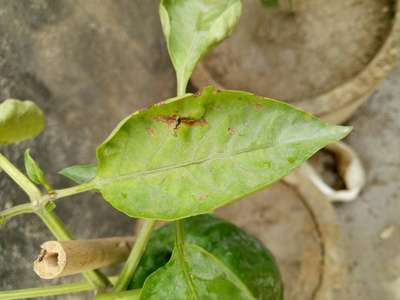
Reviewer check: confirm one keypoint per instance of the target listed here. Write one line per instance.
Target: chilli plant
(178, 161)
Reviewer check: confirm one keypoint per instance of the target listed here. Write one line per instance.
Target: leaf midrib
(100, 181)
(231, 275)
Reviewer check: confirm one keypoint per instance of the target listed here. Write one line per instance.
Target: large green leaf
(19, 120)
(238, 251)
(194, 274)
(192, 154)
(193, 27)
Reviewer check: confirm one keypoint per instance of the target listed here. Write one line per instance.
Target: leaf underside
(193, 154)
(19, 121)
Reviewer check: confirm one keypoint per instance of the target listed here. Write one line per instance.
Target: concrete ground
(371, 224)
(89, 67)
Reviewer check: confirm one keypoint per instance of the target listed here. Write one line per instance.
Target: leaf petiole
(135, 256)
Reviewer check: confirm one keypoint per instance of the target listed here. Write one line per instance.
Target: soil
(312, 49)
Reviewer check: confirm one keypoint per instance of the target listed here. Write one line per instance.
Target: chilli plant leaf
(194, 274)
(79, 173)
(33, 170)
(19, 121)
(240, 252)
(194, 27)
(193, 154)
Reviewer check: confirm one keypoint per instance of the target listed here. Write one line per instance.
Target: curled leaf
(19, 121)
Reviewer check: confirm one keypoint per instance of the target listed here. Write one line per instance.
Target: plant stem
(58, 229)
(180, 86)
(77, 189)
(47, 291)
(179, 234)
(39, 201)
(126, 295)
(20, 179)
(135, 256)
(15, 211)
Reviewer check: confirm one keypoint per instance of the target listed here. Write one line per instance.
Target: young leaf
(79, 173)
(19, 120)
(238, 251)
(199, 152)
(194, 274)
(194, 27)
(34, 171)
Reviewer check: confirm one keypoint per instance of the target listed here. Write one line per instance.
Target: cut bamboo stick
(63, 258)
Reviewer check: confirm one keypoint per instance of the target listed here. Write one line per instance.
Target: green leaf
(195, 274)
(229, 249)
(33, 170)
(193, 154)
(194, 27)
(19, 120)
(79, 173)
(270, 3)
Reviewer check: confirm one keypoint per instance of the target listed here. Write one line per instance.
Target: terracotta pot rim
(349, 95)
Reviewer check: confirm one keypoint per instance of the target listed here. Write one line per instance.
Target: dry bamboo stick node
(63, 258)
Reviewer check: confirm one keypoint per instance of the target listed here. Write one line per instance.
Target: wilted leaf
(238, 251)
(196, 153)
(79, 173)
(19, 120)
(193, 27)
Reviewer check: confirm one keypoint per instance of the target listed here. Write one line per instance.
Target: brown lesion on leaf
(202, 197)
(174, 121)
(259, 106)
(151, 131)
(231, 131)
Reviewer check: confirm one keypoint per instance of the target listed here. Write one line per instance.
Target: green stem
(135, 256)
(126, 295)
(58, 229)
(20, 179)
(77, 189)
(180, 86)
(179, 244)
(15, 211)
(54, 290)
(46, 291)
(49, 218)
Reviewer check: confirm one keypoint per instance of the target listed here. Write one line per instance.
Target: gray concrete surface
(88, 65)
(371, 224)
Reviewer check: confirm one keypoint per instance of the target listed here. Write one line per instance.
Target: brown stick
(62, 258)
